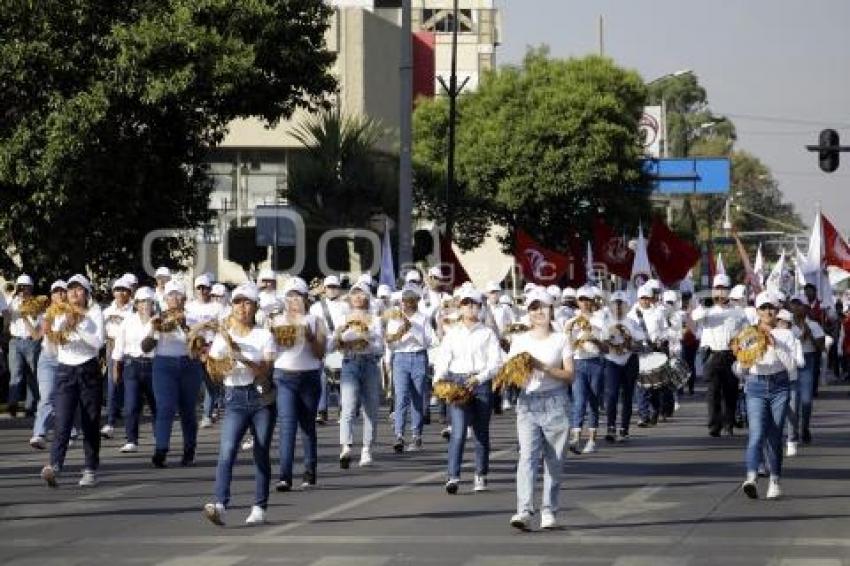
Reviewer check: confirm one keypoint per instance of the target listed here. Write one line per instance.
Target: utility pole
(405, 184)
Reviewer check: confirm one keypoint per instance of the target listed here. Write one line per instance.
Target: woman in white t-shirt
(297, 375)
(248, 399)
(542, 417)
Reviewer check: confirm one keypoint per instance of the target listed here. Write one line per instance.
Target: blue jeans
(114, 393)
(802, 398)
(244, 410)
(477, 414)
(176, 383)
(767, 406)
(587, 388)
(360, 380)
(323, 394)
(77, 386)
(138, 388)
(46, 378)
(23, 367)
(542, 426)
(297, 404)
(212, 393)
(620, 386)
(410, 374)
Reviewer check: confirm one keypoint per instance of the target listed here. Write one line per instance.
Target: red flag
(451, 266)
(837, 252)
(671, 256)
(538, 264)
(612, 250)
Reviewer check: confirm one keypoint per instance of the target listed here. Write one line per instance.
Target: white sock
(751, 476)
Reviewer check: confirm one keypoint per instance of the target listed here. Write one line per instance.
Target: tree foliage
(108, 108)
(543, 146)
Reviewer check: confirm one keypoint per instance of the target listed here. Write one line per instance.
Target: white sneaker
(88, 479)
(248, 443)
(676, 406)
(506, 405)
(773, 490)
(130, 448)
(469, 433)
(257, 516)
(480, 483)
(38, 442)
(791, 449)
(206, 422)
(547, 520)
(521, 521)
(434, 402)
(107, 431)
(215, 513)
(590, 447)
(365, 457)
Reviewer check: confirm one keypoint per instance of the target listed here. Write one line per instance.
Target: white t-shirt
(85, 341)
(597, 330)
(551, 351)
(300, 356)
(128, 341)
(817, 334)
(420, 336)
(114, 316)
(17, 327)
(256, 346)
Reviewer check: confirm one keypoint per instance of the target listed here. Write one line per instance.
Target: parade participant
(825, 317)
(568, 307)
(767, 390)
(248, 350)
(218, 294)
(176, 378)
(470, 354)
(812, 337)
(542, 419)
(269, 302)
(133, 365)
(409, 336)
(360, 339)
(671, 312)
(113, 316)
(77, 328)
(384, 298)
(205, 311)
(434, 294)
(47, 364)
(301, 340)
(586, 333)
(650, 319)
(621, 366)
(24, 346)
(738, 298)
(718, 324)
(331, 310)
(690, 338)
(162, 276)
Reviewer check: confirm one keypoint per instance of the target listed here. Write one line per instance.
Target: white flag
(774, 280)
(588, 265)
(758, 266)
(641, 270)
(719, 268)
(387, 269)
(816, 272)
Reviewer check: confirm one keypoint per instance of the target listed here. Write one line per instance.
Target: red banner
(836, 250)
(451, 266)
(612, 250)
(671, 256)
(540, 265)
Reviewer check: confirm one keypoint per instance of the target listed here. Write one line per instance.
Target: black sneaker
(624, 435)
(750, 489)
(308, 480)
(715, 432)
(452, 485)
(446, 433)
(807, 436)
(188, 458)
(653, 420)
(158, 459)
(398, 445)
(282, 486)
(642, 424)
(345, 458)
(322, 417)
(610, 438)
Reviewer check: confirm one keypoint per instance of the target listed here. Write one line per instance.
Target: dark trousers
(620, 386)
(138, 389)
(722, 392)
(75, 386)
(817, 370)
(689, 354)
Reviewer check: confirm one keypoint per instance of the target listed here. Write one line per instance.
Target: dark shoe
(13, 410)
(188, 458)
(653, 420)
(610, 438)
(497, 409)
(345, 458)
(624, 435)
(807, 437)
(158, 459)
(642, 424)
(398, 445)
(322, 417)
(426, 418)
(282, 486)
(715, 432)
(308, 479)
(451, 486)
(446, 433)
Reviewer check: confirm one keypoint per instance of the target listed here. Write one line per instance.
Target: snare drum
(333, 366)
(654, 367)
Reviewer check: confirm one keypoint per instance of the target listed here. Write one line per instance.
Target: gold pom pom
(516, 371)
(452, 392)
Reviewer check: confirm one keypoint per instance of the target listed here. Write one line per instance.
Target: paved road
(669, 497)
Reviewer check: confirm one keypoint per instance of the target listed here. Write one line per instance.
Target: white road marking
(635, 503)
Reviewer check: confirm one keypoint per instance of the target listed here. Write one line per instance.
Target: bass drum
(653, 370)
(678, 372)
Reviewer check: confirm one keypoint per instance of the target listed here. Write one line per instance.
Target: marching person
(361, 340)
(542, 419)
(409, 336)
(469, 353)
(586, 331)
(649, 318)
(621, 366)
(24, 348)
(248, 399)
(331, 310)
(133, 365)
(176, 378)
(203, 310)
(297, 375)
(675, 324)
(80, 336)
(767, 391)
(812, 337)
(269, 302)
(162, 276)
(113, 316)
(718, 324)
(47, 364)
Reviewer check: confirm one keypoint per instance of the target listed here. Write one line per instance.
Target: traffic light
(828, 150)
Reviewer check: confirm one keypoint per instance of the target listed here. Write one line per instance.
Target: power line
(778, 120)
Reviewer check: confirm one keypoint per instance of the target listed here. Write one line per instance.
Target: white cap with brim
(411, 290)
(24, 280)
(361, 286)
(765, 298)
(267, 275)
(202, 281)
(670, 296)
(80, 280)
(246, 291)
(295, 285)
(528, 287)
(785, 315)
(121, 283)
(218, 290)
(738, 292)
(493, 287)
(131, 279)
(175, 287)
(366, 279)
(331, 281)
(654, 284)
(470, 293)
(568, 293)
(144, 294)
(384, 291)
(58, 284)
(412, 275)
(506, 299)
(586, 292)
(644, 292)
(162, 272)
(554, 290)
(721, 281)
(539, 296)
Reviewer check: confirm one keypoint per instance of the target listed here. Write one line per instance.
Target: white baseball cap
(58, 284)
(528, 287)
(121, 283)
(493, 287)
(555, 291)
(331, 281)
(653, 284)
(412, 275)
(506, 299)
(144, 294)
(644, 291)
(670, 296)
(765, 298)
(246, 291)
(24, 280)
(737, 293)
(80, 280)
(411, 290)
(619, 296)
(568, 293)
(366, 279)
(203, 280)
(162, 272)
(131, 279)
(266, 275)
(218, 290)
(586, 291)
(471, 293)
(175, 287)
(721, 281)
(361, 286)
(384, 291)
(541, 296)
(436, 272)
(295, 285)
(785, 315)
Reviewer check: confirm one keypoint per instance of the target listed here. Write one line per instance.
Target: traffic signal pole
(829, 149)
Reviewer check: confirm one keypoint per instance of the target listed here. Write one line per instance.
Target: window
(443, 20)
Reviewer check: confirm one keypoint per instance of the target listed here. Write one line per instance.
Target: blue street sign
(700, 175)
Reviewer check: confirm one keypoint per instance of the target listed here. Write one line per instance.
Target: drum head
(333, 361)
(652, 361)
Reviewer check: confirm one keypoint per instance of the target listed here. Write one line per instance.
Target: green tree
(109, 107)
(543, 146)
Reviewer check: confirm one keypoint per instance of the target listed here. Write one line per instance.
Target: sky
(780, 69)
